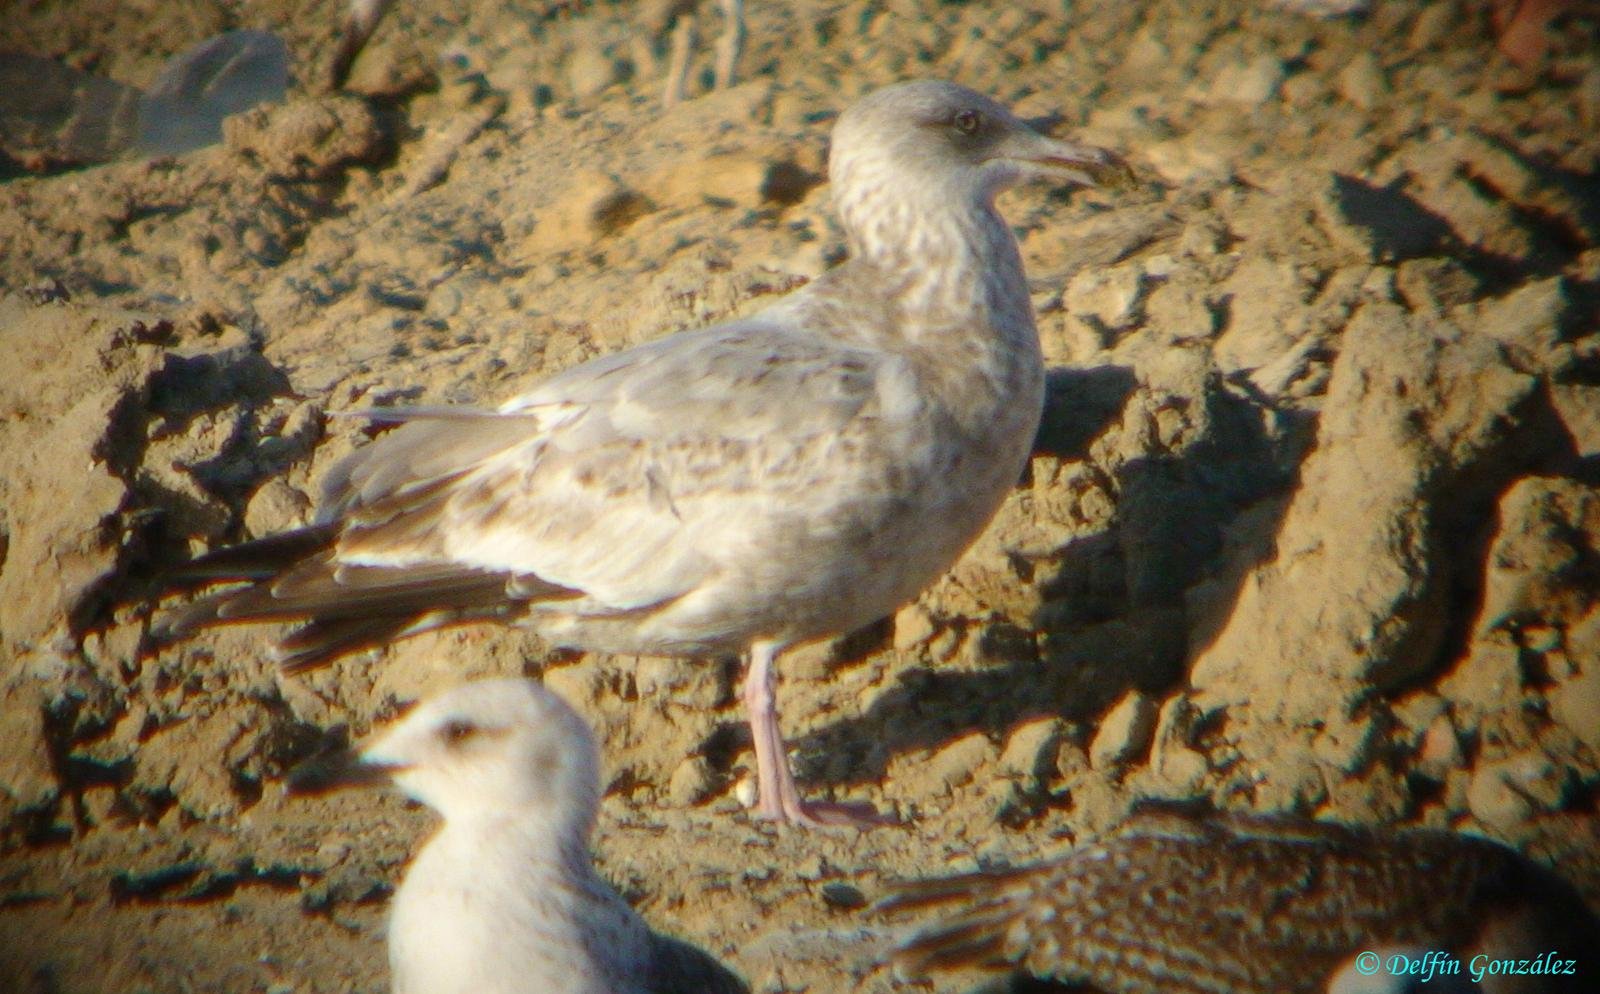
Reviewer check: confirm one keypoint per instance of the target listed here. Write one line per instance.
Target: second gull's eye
(967, 121)
(457, 731)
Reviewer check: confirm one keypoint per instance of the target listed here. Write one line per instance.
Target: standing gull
(504, 898)
(746, 487)
(1178, 904)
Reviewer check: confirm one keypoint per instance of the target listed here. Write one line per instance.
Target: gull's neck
(553, 841)
(947, 267)
(501, 903)
(944, 255)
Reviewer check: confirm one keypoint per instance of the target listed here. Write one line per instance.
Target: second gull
(504, 898)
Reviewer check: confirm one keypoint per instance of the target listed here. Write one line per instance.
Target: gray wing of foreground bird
(504, 898)
(1179, 904)
(739, 489)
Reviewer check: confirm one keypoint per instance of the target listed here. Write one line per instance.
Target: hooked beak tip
(1113, 173)
(1094, 167)
(1068, 160)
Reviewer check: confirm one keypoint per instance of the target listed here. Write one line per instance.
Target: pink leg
(778, 798)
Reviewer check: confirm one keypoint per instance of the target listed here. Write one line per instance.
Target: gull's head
(484, 748)
(954, 144)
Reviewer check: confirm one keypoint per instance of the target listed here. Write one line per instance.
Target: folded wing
(614, 487)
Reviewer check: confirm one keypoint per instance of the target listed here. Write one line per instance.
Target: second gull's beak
(337, 770)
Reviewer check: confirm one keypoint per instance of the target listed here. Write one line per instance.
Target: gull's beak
(1075, 162)
(337, 770)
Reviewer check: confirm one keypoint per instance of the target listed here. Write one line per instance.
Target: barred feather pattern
(1176, 903)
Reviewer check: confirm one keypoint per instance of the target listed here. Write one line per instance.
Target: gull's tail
(344, 608)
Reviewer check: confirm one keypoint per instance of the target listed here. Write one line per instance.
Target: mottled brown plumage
(1183, 904)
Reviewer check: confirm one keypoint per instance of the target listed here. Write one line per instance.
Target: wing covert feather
(630, 476)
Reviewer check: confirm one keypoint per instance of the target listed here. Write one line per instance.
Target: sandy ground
(1313, 525)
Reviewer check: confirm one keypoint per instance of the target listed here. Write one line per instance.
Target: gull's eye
(456, 731)
(968, 121)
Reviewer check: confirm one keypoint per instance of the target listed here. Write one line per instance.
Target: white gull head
(495, 747)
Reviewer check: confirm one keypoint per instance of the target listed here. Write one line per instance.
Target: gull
(1183, 904)
(504, 898)
(743, 488)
